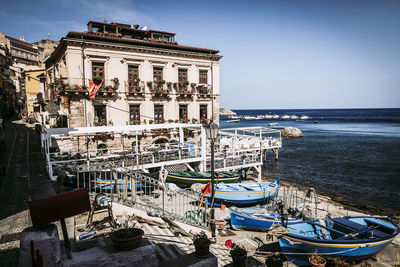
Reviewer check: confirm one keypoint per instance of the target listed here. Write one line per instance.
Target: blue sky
(277, 54)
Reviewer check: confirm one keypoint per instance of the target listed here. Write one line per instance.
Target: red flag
(228, 243)
(206, 190)
(93, 88)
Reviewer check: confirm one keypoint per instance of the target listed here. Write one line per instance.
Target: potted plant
(193, 85)
(136, 80)
(316, 260)
(194, 120)
(115, 80)
(126, 238)
(97, 80)
(202, 244)
(169, 84)
(149, 83)
(186, 82)
(151, 121)
(239, 255)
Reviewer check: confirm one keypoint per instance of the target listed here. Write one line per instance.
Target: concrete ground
(25, 179)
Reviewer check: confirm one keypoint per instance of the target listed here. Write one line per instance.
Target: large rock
(291, 132)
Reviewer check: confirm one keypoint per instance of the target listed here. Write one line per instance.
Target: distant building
(145, 77)
(34, 89)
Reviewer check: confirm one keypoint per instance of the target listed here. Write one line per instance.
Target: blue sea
(350, 153)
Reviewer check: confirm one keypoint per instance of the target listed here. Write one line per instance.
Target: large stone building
(145, 76)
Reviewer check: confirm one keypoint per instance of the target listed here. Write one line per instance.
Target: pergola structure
(228, 155)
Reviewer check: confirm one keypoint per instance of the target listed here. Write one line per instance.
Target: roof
(153, 43)
(27, 45)
(118, 129)
(127, 26)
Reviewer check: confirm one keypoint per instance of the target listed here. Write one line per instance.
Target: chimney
(22, 38)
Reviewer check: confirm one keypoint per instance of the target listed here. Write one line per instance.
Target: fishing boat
(348, 237)
(244, 194)
(233, 121)
(273, 124)
(186, 179)
(255, 221)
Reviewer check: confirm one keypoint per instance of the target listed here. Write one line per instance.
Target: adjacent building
(144, 76)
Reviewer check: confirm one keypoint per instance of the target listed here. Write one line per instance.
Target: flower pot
(126, 239)
(239, 260)
(321, 262)
(202, 250)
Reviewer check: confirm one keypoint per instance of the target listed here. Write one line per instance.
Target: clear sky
(277, 54)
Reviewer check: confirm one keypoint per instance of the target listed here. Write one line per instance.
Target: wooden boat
(188, 178)
(254, 221)
(244, 194)
(347, 237)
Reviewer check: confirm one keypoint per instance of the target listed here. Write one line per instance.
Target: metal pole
(212, 215)
(84, 99)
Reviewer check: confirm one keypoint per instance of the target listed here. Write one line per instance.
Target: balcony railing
(134, 89)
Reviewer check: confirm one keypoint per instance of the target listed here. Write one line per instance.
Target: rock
(291, 132)
(226, 112)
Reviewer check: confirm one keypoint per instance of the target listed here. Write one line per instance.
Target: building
(7, 88)
(34, 88)
(144, 76)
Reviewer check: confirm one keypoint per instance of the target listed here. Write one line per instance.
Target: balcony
(204, 91)
(183, 92)
(134, 89)
(158, 90)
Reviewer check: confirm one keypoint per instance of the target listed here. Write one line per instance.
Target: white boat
(273, 124)
(293, 117)
(232, 121)
(285, 117)
(304, 117)
(275, 116)
(268, 116)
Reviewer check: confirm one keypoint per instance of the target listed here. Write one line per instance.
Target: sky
(283, 54)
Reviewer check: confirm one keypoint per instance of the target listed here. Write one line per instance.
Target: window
(183, 112)
(157, 73)
(133, 73)
(203, 76)
(98, 69)
(100, 118)
(134, 114)
(182, 79)
(203, 112)
(158, 113)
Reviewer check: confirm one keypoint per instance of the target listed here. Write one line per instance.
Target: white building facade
(145, 77)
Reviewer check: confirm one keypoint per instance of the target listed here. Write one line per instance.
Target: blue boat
(348, 237)
(244, 194)
(254, 221)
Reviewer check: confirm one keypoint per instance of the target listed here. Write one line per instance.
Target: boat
(232, 121)
(244, 194)
(255, 221)
(275, 116)
(273, 124)
(285, 117)
(316, 121)
(351, 238)
(294, 117)
(304, 117)
(186, 179)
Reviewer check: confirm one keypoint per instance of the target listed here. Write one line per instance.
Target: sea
(353, 154)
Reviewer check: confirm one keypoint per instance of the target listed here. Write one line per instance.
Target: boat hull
(242, 198)
(252, 222)
(348, 237)
(186, 179)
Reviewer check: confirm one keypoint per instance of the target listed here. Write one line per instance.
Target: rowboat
(244, 194)
(255, 221)
(348, 237)
(188, 178)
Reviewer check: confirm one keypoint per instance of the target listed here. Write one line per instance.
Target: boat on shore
(255, 221)
(348, 237)
(244, 194)
(186, 179)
